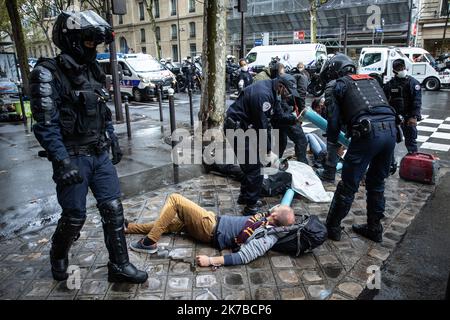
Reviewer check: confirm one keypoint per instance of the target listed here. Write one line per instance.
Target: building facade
(134, 32)
(431, 24)
(179, 28)
(382, 22)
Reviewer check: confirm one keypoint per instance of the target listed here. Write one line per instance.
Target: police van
(377, 62)
(139, 74)
(290, 55)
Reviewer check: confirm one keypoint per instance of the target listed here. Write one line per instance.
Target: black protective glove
(68, 173)
(116, 151)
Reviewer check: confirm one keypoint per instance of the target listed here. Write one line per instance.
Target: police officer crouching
(74, 126)
(358, 102)
(404, 93)
(254, 108)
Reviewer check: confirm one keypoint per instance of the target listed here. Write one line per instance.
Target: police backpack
(301, 237)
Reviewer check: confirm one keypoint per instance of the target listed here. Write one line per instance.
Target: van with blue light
(140, 74)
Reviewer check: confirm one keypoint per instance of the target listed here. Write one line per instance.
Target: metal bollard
(22, 106)
(173, 123)
(127, 115)
(159, 89)
(191, 107)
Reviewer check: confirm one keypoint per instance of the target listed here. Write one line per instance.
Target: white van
(377, 61)
(290, 55)
(140, 73)
(418, 55)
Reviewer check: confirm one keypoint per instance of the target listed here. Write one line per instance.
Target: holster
(361, 129)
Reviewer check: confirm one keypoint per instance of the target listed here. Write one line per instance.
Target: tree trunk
(313, 15)
(19, 41)
(149, 5)
(212, 106)
(49, 41)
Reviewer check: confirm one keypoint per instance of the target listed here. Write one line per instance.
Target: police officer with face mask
(252, 112)
(294, 132)
(404, 93)
(74, 126)
(357, 102)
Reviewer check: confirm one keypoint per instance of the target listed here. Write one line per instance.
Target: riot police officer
(74, 126)
(189, 70)
(294, 132)
(245, 78)
(253, 110)
(404, 93)
(357, 102)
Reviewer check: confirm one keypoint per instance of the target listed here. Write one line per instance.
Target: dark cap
(290, 83)
(398, 64)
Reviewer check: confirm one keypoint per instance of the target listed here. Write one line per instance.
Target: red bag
(420, 167)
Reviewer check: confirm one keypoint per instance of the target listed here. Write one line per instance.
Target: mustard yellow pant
(179, 214)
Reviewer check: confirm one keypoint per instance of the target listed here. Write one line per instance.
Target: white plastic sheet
(307, 183)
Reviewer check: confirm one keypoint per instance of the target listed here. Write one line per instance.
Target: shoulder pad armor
(41, 74)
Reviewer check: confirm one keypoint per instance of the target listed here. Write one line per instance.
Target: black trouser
(251, 166)
(297, 136)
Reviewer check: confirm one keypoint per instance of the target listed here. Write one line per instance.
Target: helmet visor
(91, 26)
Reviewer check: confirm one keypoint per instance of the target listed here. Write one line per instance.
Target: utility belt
(364, 127)
(89, 150)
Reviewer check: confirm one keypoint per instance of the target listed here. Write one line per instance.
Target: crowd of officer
(374, 117)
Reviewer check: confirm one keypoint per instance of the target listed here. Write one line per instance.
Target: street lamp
(178, 35)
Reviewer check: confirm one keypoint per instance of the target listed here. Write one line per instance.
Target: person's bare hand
(340, 151)
(411, 122)
(202, 261)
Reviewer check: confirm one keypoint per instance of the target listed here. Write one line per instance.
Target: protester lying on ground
(239, 233)
(318, 105)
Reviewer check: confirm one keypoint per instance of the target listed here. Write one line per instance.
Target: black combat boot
(373, 229)
(339, 208)
(327, 173)
(251, 210)
(119, 267)
(67, 231)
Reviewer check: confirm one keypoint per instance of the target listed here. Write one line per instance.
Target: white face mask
(402, 74)
(244, 68)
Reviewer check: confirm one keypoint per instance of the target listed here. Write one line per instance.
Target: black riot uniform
(357, 102)
(74, 126)
(404, 93)
(294, 132)
(189, 70)
(252, 112)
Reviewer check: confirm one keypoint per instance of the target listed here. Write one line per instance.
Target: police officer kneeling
(358, 102)
(74, 126)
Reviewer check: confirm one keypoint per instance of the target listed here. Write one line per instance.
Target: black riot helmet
(338, 66)
(73, 28)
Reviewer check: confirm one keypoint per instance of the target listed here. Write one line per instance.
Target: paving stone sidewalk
(336, 270)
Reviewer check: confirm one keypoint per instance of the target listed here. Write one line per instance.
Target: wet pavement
(28, 191)
(336, 270)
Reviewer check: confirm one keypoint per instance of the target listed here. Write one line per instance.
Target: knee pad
(112, 212)
(345, 192)
(68, 229)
